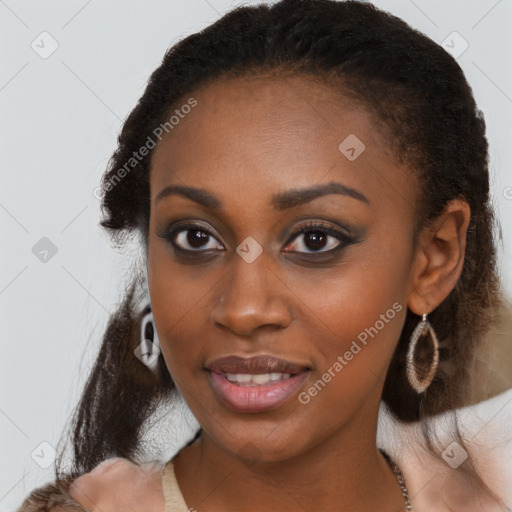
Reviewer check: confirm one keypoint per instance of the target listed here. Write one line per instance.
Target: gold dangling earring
(420, 385)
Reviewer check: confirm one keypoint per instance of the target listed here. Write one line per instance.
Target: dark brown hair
(419, 94)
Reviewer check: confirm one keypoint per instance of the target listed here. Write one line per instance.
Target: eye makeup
(203, 241)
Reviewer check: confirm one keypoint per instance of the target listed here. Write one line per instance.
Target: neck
(344, 472)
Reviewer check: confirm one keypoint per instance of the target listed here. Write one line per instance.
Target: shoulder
(107, 487)
(113, 483)
(485, 428)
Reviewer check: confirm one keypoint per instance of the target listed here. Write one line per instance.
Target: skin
(247, 139)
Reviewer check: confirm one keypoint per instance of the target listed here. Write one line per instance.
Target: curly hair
(427, 112)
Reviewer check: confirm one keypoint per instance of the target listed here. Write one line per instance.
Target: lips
(253, 365)
(256, 384)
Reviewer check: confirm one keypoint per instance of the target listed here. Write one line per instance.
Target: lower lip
(257, 398)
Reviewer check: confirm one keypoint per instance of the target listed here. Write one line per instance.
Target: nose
(249, 297)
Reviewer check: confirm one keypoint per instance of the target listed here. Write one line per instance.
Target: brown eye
(193, 238)
(315, 241)
(318, 238)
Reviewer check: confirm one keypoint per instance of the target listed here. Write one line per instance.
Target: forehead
(260, 132)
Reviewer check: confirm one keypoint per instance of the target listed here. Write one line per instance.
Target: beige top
(174, 501)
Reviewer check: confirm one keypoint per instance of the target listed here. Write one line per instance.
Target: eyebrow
(280, 201)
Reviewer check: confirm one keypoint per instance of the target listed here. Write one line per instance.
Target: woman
(309, 182)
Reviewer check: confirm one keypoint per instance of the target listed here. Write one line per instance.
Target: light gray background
(59, 119)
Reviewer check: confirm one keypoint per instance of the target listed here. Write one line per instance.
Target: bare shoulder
(115, 482)
(104, 488)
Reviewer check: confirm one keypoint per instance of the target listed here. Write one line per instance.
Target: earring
(149, 347)
(421, 384)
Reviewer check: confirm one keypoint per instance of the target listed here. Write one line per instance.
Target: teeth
(264, 378)
(247, 379)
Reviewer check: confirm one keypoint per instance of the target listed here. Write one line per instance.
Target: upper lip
(256, 364)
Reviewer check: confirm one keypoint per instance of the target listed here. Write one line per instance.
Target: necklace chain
(400, 478)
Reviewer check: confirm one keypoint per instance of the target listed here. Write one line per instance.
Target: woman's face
(255, 160)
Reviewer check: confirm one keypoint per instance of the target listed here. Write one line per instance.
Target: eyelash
(318, 227)
(310, 227)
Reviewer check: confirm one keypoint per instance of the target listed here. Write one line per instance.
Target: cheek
(179, 317)
(176, 290)
(347, 300)
(356, 319)
(176, 298)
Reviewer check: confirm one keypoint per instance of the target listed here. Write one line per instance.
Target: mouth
(256, 379)
(255, 384)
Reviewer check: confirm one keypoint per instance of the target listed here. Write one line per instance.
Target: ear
(439, 258)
